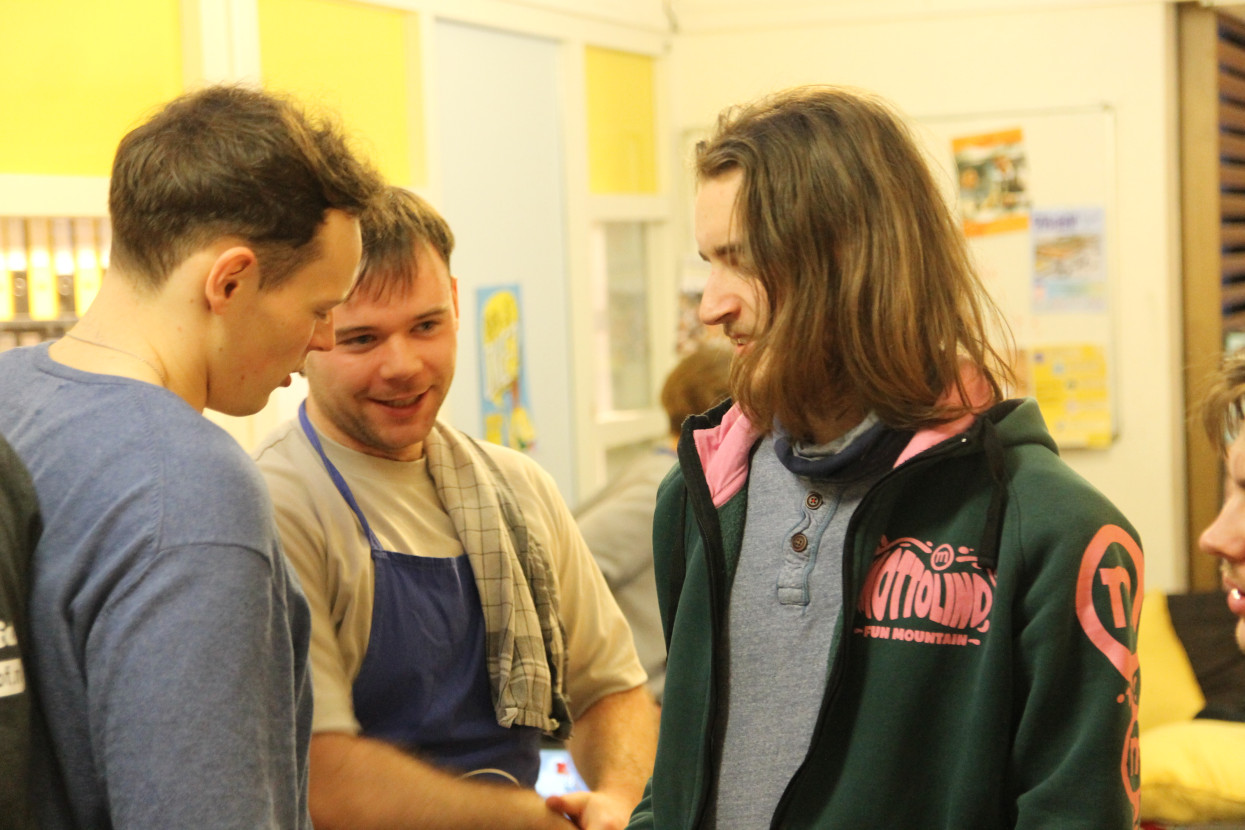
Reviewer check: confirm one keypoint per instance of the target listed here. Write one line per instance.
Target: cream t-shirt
(327, 547)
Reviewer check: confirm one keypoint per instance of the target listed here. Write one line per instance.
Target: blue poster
(504, 402)
(1069, 261)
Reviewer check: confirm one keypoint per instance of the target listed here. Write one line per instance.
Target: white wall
(984, 57)
(504, 195)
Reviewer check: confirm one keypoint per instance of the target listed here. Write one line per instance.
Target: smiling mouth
(400, 403)
(1226, 580)
(1230, 586)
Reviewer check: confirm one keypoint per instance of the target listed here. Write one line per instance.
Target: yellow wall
(76, 75)
(622, 149)
(361, 61)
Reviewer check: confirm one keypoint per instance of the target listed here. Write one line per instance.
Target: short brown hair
(1223, 408)
(229, 160)
(698, 382)
(392, 229)
(874, 300)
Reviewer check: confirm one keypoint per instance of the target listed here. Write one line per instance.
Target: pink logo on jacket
(1108, 604)
(923, 592)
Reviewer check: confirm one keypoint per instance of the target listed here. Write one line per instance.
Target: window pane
(622, 316)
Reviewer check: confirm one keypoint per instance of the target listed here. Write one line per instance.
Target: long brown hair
(874, 303)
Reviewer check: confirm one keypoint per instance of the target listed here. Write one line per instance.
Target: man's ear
(233, 269)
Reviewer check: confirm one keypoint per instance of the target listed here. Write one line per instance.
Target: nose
(1221, 539)
(399, 358)
(322, 337)
(719, 303)
(1208, 541)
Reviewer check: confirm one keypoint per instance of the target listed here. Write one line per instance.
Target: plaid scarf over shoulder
(524, 642)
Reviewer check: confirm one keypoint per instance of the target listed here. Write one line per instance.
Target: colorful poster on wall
(1069, 261)
(1070, 384)
(992, 171)
(503, 384)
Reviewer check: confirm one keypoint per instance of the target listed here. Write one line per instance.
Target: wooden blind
(1212, 184)
(1230, 55)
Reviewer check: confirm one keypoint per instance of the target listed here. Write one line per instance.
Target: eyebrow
(342, 334)
(730, 251)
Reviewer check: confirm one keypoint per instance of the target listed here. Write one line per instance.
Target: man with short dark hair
(457, 615)
(168, 635)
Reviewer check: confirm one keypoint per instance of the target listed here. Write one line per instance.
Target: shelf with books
(50, 271)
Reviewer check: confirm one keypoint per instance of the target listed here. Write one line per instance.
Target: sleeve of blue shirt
(193, 679)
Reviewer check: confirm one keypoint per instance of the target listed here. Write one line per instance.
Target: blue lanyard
(338, 480)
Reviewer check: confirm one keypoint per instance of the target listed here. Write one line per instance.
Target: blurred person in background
(617, 522)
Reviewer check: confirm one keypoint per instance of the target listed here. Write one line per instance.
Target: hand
(593, 810)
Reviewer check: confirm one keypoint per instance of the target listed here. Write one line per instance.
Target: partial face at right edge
(1225, 537)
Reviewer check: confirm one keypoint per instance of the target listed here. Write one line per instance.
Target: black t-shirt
(20, 526)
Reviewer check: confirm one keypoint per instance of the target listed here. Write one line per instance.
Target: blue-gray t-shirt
(168, 636)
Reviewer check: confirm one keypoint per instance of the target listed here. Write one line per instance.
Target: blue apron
(424, 683)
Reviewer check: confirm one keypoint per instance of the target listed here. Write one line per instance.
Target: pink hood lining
(724, 449)
(723, 453)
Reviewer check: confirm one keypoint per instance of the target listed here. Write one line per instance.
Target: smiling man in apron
(457, 615)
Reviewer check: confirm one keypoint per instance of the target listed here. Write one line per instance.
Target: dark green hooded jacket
(984, 671)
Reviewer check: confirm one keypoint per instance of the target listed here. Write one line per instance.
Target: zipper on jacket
(706, 518)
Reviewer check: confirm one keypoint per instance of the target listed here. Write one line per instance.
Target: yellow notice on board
(1070, 384)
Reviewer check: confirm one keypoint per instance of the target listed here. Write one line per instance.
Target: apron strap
(337, 478)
